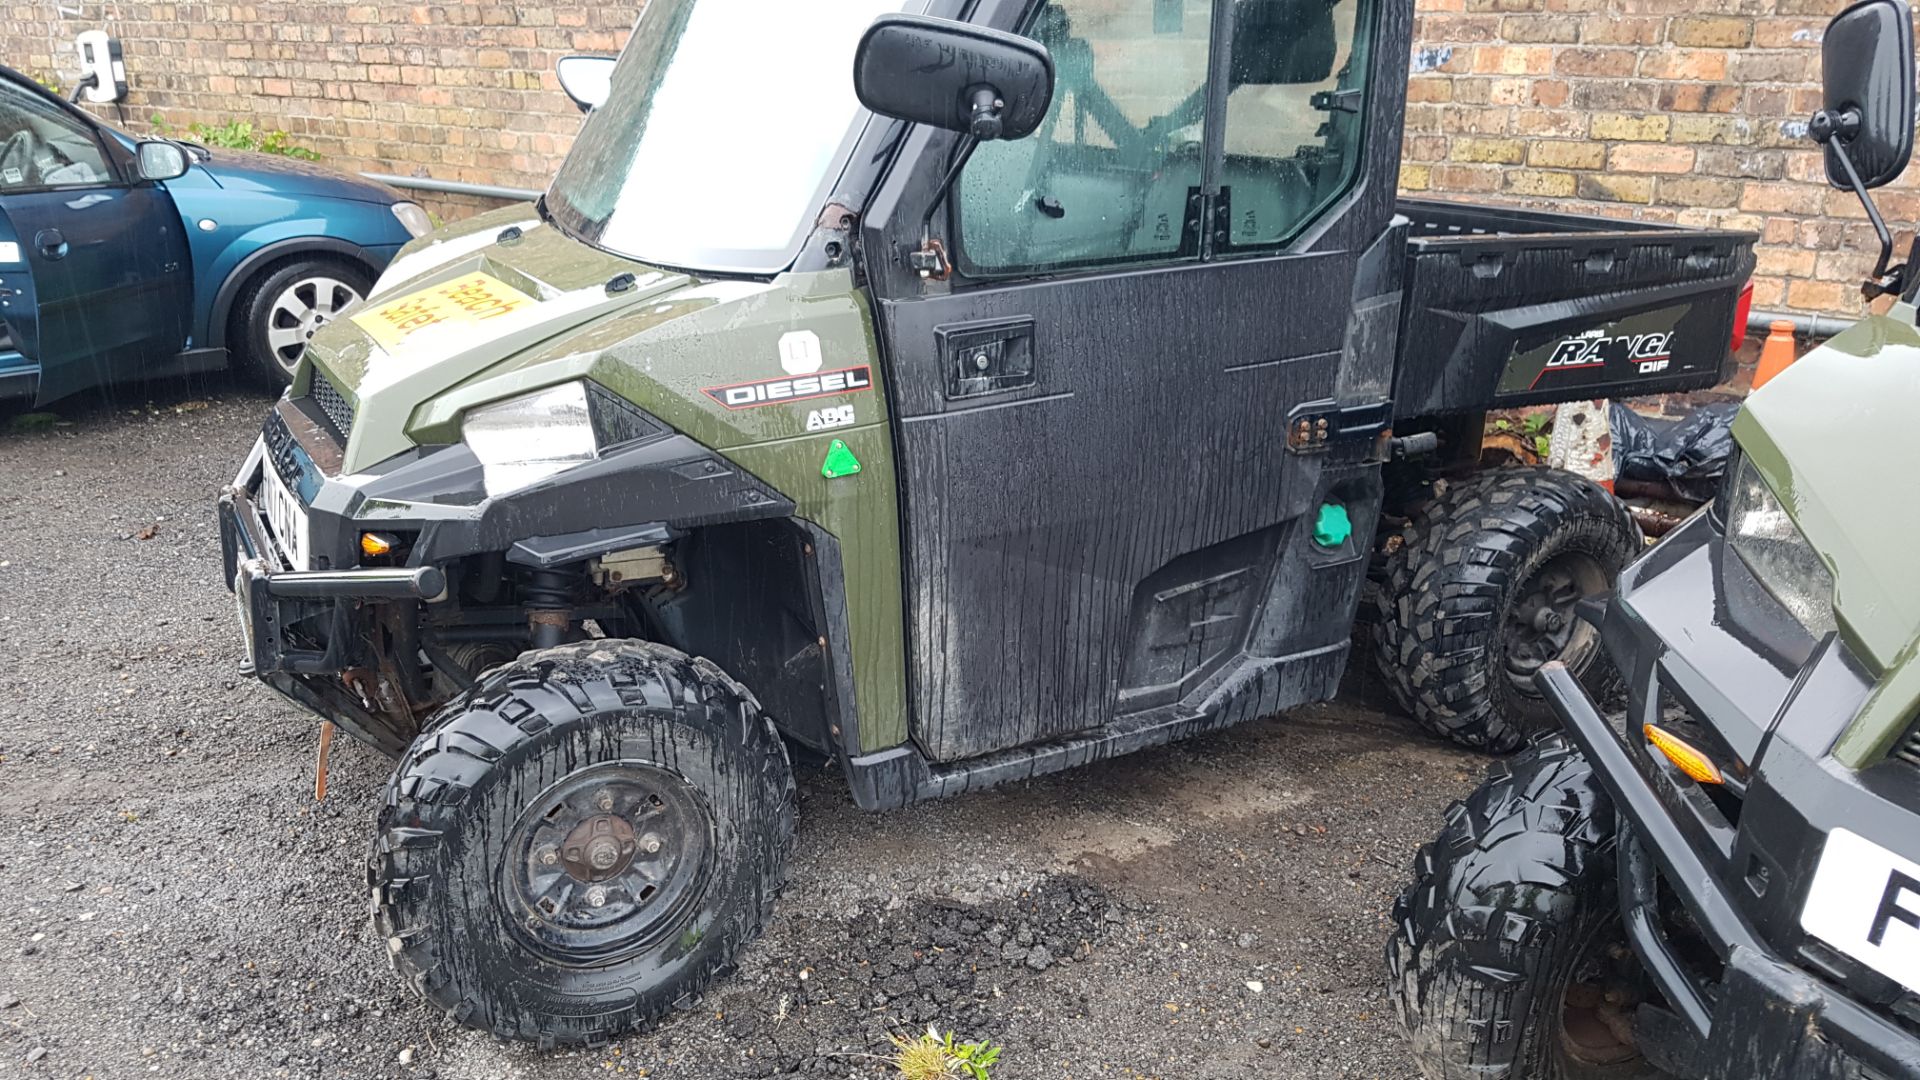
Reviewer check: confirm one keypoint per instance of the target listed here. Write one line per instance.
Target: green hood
(1830, 436)
(673, 344)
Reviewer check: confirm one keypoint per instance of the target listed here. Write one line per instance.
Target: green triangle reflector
(840, 461)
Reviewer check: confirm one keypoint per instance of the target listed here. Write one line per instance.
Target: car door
(106, 254)
(1093, 412)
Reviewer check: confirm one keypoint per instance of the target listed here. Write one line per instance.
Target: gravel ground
(180, 906)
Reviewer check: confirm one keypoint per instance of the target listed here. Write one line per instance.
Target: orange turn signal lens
(1684, 757)
(373, 545)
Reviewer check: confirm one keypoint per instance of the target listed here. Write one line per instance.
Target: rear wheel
(1482, 592)
(582, 842)
(1507, 956)
(279, 313)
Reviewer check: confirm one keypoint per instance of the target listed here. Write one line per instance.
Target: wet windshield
(726, 122)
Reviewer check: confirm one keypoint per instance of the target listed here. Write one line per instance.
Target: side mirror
(588, 80)
(1866, 122)
(160, 159)
(985, 83)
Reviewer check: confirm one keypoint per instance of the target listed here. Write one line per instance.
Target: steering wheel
(24, 145)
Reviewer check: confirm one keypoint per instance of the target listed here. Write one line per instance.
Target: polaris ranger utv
(1725, 883)
(958, 399)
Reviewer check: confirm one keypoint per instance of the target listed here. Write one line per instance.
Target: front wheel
(278, 314)
(1508, 958)
(581, 843)
(1481, 593)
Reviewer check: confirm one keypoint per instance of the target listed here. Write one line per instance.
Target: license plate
(285, 517)
(465, 301)
(1865, 901)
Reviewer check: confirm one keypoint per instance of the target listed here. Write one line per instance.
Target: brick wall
(1672, 110)
(1684, 111)
(457, 91)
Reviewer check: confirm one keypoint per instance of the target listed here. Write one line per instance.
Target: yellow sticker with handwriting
(474, 298)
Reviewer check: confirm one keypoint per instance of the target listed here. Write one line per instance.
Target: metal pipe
(455, 187)
(1811, 327)
(420, 583)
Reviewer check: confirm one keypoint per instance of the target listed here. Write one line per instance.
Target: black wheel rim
(1541, 623)
(607, 862)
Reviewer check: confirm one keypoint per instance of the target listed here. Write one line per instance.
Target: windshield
(726, 121)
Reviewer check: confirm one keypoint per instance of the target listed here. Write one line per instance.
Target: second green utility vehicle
(959, 394)
(1723, 882)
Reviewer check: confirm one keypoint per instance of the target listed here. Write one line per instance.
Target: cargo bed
(1503, 307)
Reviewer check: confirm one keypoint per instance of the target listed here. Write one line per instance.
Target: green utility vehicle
(1724, 883)
(957, 394)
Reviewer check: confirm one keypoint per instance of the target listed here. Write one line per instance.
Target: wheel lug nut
(597, 896)
(604, 801)
(549, 856)
(651, 845)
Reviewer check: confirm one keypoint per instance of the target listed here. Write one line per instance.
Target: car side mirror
(1867, 115)
(160, 159)
(588, 80)
(985, 83)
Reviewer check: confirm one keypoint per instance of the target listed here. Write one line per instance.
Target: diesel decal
(752, 395)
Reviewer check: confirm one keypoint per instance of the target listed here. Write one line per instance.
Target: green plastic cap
(1332, 526)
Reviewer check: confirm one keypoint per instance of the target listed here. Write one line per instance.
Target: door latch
(986, 358)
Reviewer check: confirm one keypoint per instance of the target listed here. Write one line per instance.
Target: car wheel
(582, 842)
(1508, 958)
(1482, 592)
(280, 312)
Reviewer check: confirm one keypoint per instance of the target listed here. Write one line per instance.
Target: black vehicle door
(105, 256)
(1092, 413)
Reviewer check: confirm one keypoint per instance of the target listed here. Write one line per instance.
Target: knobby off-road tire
(619, 766)
(1514, 902)
(1491, 551)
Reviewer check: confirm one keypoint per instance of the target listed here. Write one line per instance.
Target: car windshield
(726, 120)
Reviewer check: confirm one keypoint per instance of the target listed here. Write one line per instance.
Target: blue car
(124, 259)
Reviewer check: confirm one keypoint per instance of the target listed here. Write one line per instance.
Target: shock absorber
(548, 599)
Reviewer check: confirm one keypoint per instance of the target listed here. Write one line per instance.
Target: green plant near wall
(239, 135)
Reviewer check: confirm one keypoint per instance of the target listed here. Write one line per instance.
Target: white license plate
(285, 517)
(1865, 901)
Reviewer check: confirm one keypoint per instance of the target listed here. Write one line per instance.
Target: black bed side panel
(1496, 319)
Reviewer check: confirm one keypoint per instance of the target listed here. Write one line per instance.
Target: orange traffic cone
(1775, 354)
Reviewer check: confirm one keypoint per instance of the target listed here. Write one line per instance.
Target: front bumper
(270, 598)
(298, 628)
(1766, 1016)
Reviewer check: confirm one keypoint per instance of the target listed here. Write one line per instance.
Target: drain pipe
(1808, 327)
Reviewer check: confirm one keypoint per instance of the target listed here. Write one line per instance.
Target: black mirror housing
(985, 83)
(161, 159)
(587, 80)
(1867, 66)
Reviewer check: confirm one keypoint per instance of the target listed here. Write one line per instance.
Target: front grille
(282, 453)
(1908, 749)
(338, 410)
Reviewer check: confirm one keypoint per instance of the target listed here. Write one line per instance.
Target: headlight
(522, 441)
(414, 217)
(1774, 548)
